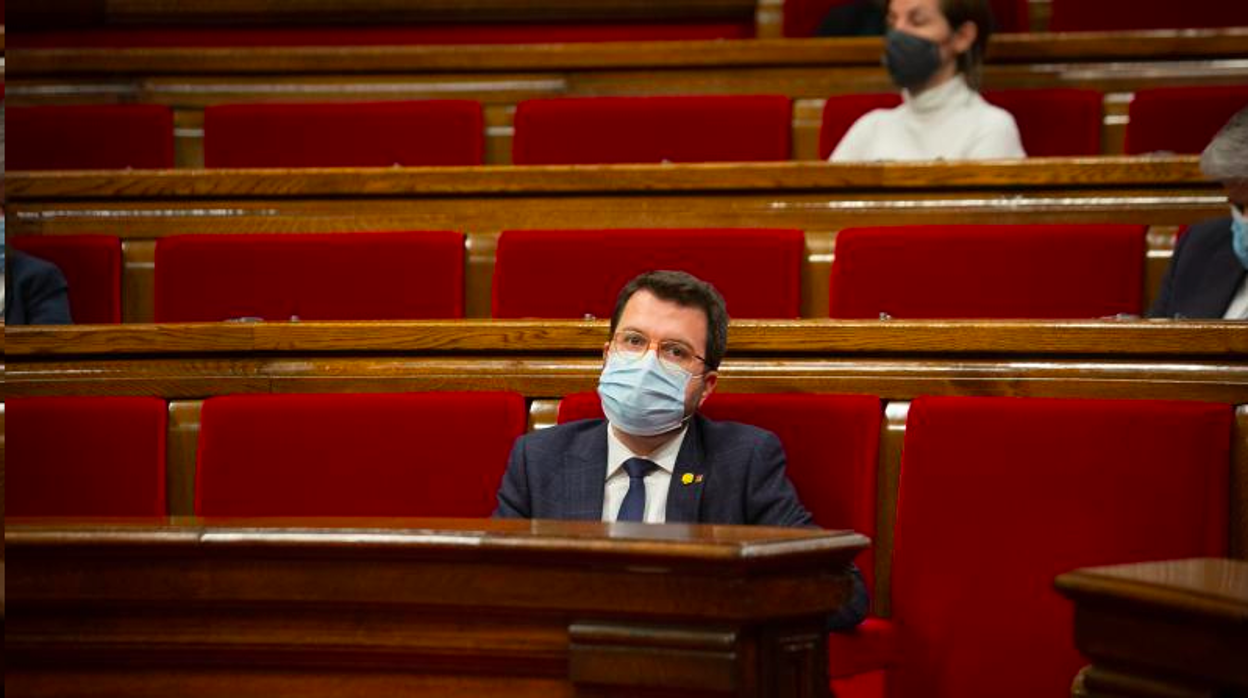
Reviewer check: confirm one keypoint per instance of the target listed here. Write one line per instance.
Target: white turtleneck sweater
(950, 122)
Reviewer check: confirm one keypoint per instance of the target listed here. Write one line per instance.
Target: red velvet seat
(344, 134)
(831, 443)
(988, 271)
(603, 130)
(1121, 15)
(334, 276)
(92, 268)
(1000, 495)
(1180, 119)
(89, 137)
(401, 454)
(85, 456)
(573, 273)
(1052, 122)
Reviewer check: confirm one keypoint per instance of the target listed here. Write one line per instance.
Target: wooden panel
(1162, 628)
(181, 447)
(447, 606)
(892, 439)
(2, 478)
(1239, 485)
(138, 280)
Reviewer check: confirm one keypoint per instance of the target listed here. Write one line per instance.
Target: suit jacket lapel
(585, 475)
(684, 495)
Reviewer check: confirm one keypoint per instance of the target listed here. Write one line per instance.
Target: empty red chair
(334, 276)
(344, 134)
(85, 456)
(1121, 15)
(92, 268)
(1052, 122)
(89, 137)
(401, 454)
(574, 273)
(831, 443)
(1000, 495)
(704, 128)
(988, 271)
(1180, 119)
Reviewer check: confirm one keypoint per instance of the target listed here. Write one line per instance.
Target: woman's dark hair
(959, 12)
(688, 291)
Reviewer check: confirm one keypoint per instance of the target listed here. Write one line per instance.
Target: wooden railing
(818, 198)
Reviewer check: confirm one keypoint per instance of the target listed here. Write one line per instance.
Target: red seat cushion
(1051, 122)
(1000, 495)
(336, 276)
(85, 456)
(1119, 15)
(344, 134)
(1055, 122)
(573, 273)
(401, 35)
(92, 268)
(831, 443)
(409, 454)
(1180, 119)
(988, 271)
(870, 647)
(704, 128)
(89, 137)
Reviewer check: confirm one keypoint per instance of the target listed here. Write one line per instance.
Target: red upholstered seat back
(1054, 122)
(703, 128)
(92, 268)
(988, 271)
(337, 276)
(1000, 495)
(1051, 122)
(344, 134)
(407, 454)
(1180, 119)
(572, 273)
(89, 137)
(831, 443)
(1112, 15)
(85, 456)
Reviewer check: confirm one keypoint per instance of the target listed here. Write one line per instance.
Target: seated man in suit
(35, 291)
(1207, 275)
(654, 459)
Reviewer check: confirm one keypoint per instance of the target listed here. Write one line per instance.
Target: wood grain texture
(445, 606)
(1175, 628)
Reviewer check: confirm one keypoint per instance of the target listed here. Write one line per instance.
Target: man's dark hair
(688, 291)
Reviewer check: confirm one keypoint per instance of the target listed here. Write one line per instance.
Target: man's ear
(606, 349)
(964, 37)
(710, 379)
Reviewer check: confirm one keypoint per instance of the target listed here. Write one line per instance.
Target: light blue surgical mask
(1239, 235)
(642, 397)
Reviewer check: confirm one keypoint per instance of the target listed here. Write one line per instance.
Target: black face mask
(911, 60)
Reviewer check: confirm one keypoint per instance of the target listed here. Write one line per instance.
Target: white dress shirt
(657, 480)
(949, 122)
(1238, 309)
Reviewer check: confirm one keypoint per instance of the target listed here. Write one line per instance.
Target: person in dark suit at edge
(1208, 273)
(655, 459)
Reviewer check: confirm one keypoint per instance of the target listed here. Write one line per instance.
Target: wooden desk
(1162, 628)
(818, 198)
(420, 607)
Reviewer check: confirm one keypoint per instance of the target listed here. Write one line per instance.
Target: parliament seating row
(587, 130)
(990, 506)
(1001, 271)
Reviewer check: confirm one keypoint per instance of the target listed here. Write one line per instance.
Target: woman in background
(934, 52)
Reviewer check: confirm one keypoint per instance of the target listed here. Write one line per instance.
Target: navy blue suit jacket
(560, 473)
(35, 292)
(1203, 275)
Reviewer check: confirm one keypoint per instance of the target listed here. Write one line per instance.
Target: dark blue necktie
(633, 508)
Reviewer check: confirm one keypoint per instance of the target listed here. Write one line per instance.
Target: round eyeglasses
(674, 355)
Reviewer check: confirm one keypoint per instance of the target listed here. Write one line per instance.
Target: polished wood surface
(817, 198)
(428, 607)
(1177, 628)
